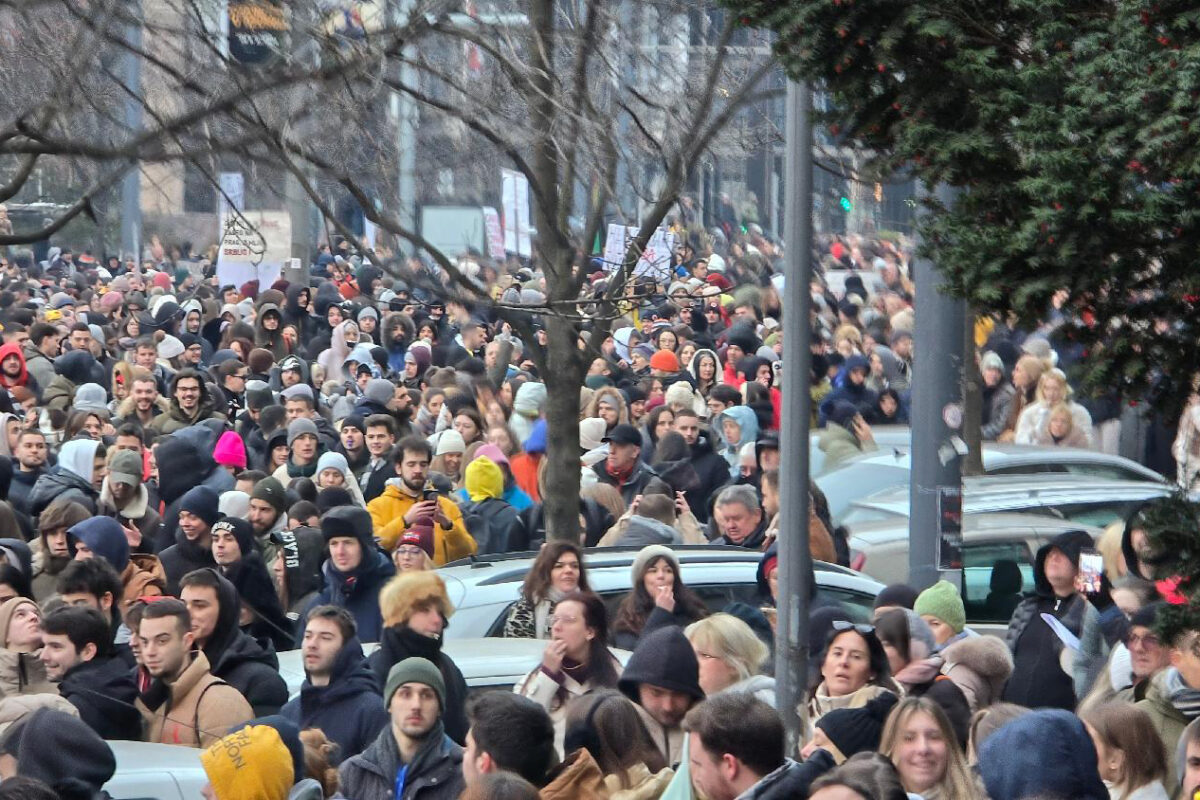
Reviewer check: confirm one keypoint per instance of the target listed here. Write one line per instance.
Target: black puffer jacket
(349, 709)
(103, 690)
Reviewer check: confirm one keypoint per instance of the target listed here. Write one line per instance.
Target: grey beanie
(380, 390)
(91, 397)
(414, 670)
(298, 427)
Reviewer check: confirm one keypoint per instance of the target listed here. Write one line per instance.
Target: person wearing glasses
(854, 670)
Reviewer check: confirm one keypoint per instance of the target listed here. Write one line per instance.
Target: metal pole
(406, 136)
(795, 562)
(131, 185)
(937, 414)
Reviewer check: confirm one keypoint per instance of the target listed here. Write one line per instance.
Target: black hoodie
(349, 709)
(1038, 679)
(712, 470)
(103, 690)
(253, 582)
(400, 642)
(239, 660)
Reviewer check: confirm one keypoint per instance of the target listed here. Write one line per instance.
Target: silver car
(891, 467)
(486, 664)
(998, 552)
(1082, 499)
(483, 589)
(161, 771)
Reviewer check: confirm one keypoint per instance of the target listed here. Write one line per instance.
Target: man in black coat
(233, 655)
(198, 512)
(77, 652)
(711, 468)
(339, 694)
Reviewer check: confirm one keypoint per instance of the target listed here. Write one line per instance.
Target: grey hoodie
(641, 531)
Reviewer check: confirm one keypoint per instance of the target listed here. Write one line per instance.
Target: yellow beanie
(250, 764)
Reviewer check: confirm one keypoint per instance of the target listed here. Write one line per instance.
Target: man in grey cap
(304, 448)
(124, 497)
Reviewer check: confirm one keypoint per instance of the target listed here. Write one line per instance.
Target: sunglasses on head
(843, 625)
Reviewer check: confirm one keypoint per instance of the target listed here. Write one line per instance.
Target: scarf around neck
(1185, 699)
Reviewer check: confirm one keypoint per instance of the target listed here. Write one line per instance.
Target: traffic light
(845, 204)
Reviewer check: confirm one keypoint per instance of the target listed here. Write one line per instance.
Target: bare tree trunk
(561, 491)
(972, 399)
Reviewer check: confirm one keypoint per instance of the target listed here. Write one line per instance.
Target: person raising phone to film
(409, 499)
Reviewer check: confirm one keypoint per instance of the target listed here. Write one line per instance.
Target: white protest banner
(232, 194)
(255, 245)
(655, 260)
(514, 200)
(495, 234)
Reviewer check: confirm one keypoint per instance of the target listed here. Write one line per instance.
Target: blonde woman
(1052, 389)
(730, 657)
(919, 741)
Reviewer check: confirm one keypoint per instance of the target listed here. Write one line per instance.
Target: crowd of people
(197, 476)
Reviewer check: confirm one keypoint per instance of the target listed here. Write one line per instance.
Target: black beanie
(242, 531)
(897, 594)
(332, 497)
(858, 730)
(349, 521)
(1147, 615)
(203, 502)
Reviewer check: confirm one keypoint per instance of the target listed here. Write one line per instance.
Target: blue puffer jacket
(357, 592)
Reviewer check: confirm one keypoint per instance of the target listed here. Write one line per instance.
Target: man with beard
(407, 498)
(663, 679)
(268, 502)
(190, 404)
(30, 461)
(339, 695)
(144, 403)
(413, 746)
(54, 552)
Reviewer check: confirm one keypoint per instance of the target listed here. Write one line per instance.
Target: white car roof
(161, 771)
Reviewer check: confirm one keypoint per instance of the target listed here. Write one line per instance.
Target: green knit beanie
(942, 601)
(414, 670)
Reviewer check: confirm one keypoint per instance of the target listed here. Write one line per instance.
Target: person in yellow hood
(489, 518)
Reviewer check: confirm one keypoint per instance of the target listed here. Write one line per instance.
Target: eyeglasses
(409, 552)
(1146, 640)
(843, 625)
(563, 618)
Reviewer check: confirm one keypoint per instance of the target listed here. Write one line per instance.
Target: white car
(483, 589)
(159, 771)
(485, 663)
(890, 467)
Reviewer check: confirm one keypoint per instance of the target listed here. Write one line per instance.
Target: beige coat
(547, 692)
(200, 709)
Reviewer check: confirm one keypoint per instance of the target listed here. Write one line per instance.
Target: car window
(1027, 469)
(1097, 515)
(858, 606)
(995, 575)
(843, 486)
(1106, 471)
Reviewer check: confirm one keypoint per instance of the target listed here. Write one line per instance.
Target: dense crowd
(196, 477)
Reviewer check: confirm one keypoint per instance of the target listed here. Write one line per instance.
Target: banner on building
(655, 260)
(255, 245)
(495, 233)
(257, 30)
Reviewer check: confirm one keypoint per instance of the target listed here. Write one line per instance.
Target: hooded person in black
(296, 310)
(100, 685)
(1038, 679)
(355, 585)
(189, 454)
(233, 655)
(711, 468)
(663, 679)
(302, 551)
(62, 752)
(345, 702)
(250, 577)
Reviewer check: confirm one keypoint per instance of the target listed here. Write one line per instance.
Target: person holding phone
(1043, 676)
(408, 499)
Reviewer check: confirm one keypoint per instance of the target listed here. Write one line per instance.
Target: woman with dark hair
(469, 424)
(576, 662)
(555, 573)
(706, 369)
(854, 669)
(659, 598)
(866, 776)
(889, 409)
(658, 423)
(608, 726)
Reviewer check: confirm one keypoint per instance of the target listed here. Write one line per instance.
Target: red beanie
(419, 535)
(664, 360)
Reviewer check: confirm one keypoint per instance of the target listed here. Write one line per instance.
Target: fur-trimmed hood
(986, 656)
